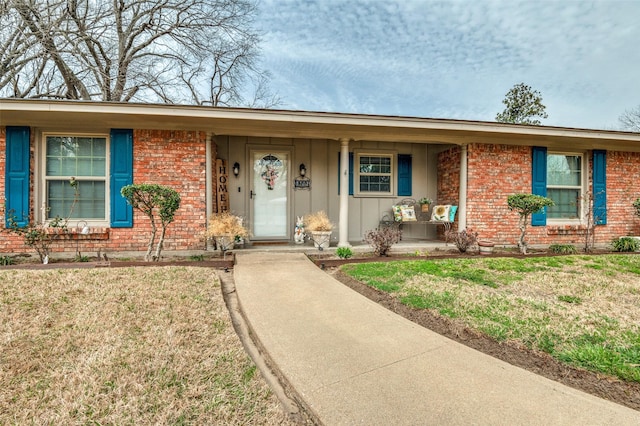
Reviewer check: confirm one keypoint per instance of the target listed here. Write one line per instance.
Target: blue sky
(454, 59)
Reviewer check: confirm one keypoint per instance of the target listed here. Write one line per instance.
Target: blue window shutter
(600, 187)
(404, 175)
(121, 175)
(350, 173)
(539, 182)
(16, 190)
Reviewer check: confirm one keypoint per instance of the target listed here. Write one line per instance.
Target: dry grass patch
(151, 345)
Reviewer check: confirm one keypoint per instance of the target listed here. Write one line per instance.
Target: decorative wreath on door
(270, 170)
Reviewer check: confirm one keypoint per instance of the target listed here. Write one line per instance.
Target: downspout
(343, 224)
(462, 195)
(208, 172)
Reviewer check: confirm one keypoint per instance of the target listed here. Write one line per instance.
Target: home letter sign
(222, 191)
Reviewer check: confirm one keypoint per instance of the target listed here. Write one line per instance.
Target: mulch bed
(216, 263)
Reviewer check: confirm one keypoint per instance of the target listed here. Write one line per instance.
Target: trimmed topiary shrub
(525, 205)
(153, 200)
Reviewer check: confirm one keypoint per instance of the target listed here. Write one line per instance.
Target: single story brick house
(272, 166)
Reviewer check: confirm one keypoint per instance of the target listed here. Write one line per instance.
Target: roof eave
(301, 124)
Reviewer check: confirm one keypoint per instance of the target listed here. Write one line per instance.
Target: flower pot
(321, 239)
(424, 208)
(225, 242)
(486, 247)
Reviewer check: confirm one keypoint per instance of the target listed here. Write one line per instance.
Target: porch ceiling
(52, 115)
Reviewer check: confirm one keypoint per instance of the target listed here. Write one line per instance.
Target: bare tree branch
(200, 51)
(630, 119)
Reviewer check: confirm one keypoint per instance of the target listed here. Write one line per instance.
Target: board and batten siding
(320, 157)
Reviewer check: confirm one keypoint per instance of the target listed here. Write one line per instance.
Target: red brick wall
(448, 184)
(494, 173)
(173, 158)
(497, 171)
(448, 176)
(623, 187)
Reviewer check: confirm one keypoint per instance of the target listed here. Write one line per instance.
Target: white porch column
(343, 225)
(462, 194)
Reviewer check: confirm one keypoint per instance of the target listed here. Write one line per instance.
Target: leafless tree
(630, 119)
(169, 51)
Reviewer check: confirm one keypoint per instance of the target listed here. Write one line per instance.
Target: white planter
(321, 239)
(486, 247)
(225, 242)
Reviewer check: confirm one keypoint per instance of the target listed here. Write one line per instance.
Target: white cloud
(454, 59)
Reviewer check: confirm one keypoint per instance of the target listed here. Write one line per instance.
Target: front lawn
(582, 310)
(148, 345)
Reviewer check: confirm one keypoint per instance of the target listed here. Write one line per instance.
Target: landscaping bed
(215, 261)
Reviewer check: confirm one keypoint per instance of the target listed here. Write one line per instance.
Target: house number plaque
(302, 183)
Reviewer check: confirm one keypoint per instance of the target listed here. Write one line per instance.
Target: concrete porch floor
(404, 246)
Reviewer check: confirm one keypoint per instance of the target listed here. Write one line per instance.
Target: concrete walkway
(350, 361)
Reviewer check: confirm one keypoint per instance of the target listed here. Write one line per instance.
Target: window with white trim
(374, 173)
(565, 185)
(84, 158)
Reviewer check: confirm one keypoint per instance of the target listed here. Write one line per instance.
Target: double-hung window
(375, 173)
(565, 185)
(83, 158)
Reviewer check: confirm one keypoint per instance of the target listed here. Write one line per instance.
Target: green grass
(569, 299)
(580, 309)
(387, 276)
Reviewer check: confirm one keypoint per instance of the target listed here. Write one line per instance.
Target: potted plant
(318, 227)
(425, 202)
(226, 229)
(485, 246)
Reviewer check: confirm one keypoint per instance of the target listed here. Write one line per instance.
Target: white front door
(270, 195)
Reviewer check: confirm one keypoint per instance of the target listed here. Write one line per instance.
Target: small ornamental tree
(152, 200)
(42, 235)
(525, 205)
